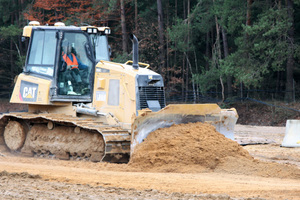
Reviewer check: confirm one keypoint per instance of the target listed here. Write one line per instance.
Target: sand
(198, 147)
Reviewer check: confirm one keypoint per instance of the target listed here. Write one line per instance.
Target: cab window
(75, 66)
(41, 57)
(100, 45)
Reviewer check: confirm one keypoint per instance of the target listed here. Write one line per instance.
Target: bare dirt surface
(224, 170)
(271, 151)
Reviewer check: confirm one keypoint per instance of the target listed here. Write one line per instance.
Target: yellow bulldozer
(83, 106)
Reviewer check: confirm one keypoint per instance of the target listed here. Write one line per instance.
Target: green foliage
(178, 34)
(109, 5)
(121, 58)
(207, 79)
(11, 31)
(202, 17)
(262, 50)
(297, 2)
(5, 9)
(20, 63)
(231, 15)
(257, 53)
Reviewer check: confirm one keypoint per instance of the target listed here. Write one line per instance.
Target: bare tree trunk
(278, 73)
(193, 83)
(183, 63)
(187, 53)
(161, 35)
(11, 50)
(226, 53)
(175, 42)
(207, 51)
(277, 84)
(11, 59)
(218, 38)
(136, 16)
(197, 72)
(167, 50)
(218, 58)
(182, 85)
(123, 25)
(290, 61)
(249, 4)
(248, 23)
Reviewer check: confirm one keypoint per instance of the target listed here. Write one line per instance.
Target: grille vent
(151, 93)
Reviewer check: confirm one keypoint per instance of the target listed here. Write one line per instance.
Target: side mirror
(88, 51)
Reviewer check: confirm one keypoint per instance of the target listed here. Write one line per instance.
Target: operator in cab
(70, 58)
(76, 72)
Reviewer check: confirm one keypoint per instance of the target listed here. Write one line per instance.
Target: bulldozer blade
(224, 120)
(292, 134)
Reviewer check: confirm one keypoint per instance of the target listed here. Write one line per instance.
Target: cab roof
(61, 26)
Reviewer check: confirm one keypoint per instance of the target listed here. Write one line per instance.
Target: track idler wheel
(14, 135)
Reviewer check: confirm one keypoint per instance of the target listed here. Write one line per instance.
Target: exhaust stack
(135, 54)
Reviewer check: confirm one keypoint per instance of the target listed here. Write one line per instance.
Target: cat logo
(28, 91)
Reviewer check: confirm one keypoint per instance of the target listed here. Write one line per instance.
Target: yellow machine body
(31, 90)
(100, 118)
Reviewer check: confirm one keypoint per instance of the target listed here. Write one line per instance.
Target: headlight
(89, 30)
(107, 31)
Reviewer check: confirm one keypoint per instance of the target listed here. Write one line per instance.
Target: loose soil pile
(198, 147)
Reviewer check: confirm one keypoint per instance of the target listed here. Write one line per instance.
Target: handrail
(127, 92)
(140, 63)
(102, 61)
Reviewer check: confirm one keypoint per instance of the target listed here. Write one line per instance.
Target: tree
(291, 51)
(123, 24)
(11, 51)
(161, 35)
(255, 43)
(51, 11)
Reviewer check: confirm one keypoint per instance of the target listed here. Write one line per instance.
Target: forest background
(206, 50)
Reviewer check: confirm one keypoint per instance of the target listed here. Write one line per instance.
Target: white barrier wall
(292, 134)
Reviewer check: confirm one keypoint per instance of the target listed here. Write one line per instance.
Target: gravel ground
(36, 178)
(33, 187)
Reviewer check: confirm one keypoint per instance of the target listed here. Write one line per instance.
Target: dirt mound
(190, 145)
(198, 147)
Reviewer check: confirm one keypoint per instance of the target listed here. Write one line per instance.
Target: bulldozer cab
(67, 56)
(75, 64)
